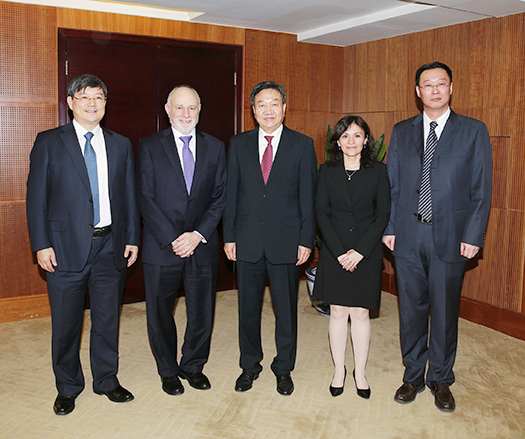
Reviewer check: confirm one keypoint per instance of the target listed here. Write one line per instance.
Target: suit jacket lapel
(70, 140)
(283, 150)
(450, 130)
(418, 135)
(252, 144)
(112, 157)
(201, 153)
(170, 148)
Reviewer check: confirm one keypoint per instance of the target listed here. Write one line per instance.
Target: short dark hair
(368, 154)
(265, 85)
(82, 81)
(433, 65)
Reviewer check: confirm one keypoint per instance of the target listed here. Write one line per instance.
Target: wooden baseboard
(502, 320)
(13, 309)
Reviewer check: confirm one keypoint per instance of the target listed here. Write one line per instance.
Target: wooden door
(139, 73)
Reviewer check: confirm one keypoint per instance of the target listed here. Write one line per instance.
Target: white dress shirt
(441, 121)
(99, 145)
(263, 143)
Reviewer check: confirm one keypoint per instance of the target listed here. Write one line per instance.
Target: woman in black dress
(353, 208)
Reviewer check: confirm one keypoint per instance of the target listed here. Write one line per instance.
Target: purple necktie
(188, 162)
(267, 159)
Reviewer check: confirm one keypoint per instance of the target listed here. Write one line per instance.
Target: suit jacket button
(90, 225)
(91, 200)
(189, 202)
(351, 229)
(351, 213)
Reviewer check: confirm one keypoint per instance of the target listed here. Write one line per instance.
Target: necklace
(350, 174)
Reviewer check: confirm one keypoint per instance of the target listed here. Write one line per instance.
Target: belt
(421, 219)
(99, 232)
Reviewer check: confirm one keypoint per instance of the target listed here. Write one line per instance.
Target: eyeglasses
(86, 99)
(429, 87)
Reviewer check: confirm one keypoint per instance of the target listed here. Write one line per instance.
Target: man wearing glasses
(84, 227)
(440, 170)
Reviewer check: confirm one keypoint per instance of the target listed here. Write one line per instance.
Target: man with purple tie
(181, 191)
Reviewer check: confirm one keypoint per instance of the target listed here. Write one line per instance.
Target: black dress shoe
(284, 384)
(336, 391)
(197, 380)
(118, 394)
(443, 397)
(172, 385)
(408, 392)
(363, 393)
(64, 405)
(245, 381)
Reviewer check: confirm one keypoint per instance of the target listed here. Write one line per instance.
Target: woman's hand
(350, 259)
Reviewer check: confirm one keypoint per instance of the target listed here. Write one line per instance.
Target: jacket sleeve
(132, 216)
(228, 221)
(307, 185)
(480, 189)
(372, 237)
(393, 176)
(331, 239)
(160, 226)
(210, 220)
(36, 196)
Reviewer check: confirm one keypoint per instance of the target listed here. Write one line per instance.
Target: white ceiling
(335, 22)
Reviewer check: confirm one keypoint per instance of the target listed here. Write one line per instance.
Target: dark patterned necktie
(188, 162)
(267, 159)
(91, 164)
(425, 195)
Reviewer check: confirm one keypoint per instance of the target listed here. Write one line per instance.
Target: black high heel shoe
(363, 393)
(336, 391)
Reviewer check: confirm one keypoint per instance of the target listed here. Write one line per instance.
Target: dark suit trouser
(284, 283)
(162, 287)
(67, 292)
(427, 287)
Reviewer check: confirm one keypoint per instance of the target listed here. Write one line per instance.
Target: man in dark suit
(269, 228)
(181, 193)
(84, 228)
(440, 170)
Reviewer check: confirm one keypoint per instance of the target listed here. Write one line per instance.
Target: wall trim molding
(14, 309)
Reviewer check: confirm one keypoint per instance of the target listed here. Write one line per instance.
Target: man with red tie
(269, 227)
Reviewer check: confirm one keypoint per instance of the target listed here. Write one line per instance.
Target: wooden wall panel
(19, 276)
(127, 24)
(25, 50)
(488, 65)
(20, 125)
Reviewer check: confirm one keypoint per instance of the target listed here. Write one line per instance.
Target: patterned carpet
(490, 387)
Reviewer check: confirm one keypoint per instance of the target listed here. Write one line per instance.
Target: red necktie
(267, 159)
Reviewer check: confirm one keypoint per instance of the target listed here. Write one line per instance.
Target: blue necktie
(425, 198)
(188, 162)
(91, 164)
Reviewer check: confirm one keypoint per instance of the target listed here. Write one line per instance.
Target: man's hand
(389, 241)
(303, 253)
(468, 250)
(230, 250)
(350, 259)
(46, 259)
(186, 244)
(131, 253)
